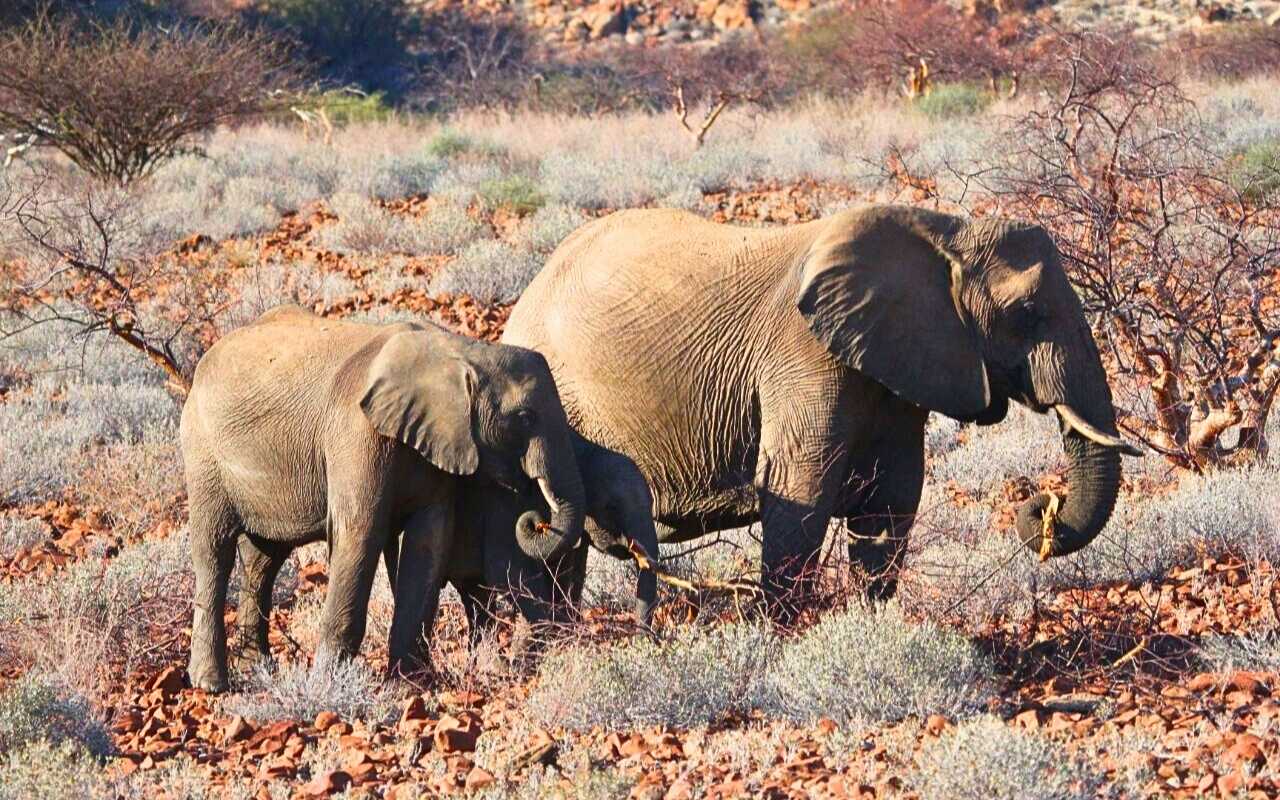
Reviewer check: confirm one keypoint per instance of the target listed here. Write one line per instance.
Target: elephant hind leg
(213, 526)
(260, 563)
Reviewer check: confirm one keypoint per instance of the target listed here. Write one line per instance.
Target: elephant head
(961, 316)
(471, 407)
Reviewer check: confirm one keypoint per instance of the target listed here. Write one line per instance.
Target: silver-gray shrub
(1230, 512)
(863, 665)
(105, 605)
(984, 759)
(42, 436)
(365, 227)
(347, 687)
(549, 225)
(489, 270)
(693, 678)
(1254, 650)
(1024, 444)
(42, 769)
(445, 230)
(37, 707)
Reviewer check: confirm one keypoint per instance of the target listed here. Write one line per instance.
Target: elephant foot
(414, 669)
(210, 679)
(249, 658)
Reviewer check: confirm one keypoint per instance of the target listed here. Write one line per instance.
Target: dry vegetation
(1146, 665)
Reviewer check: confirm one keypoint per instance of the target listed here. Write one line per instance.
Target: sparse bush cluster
(347, 687)
(984, 758)
(853, 666)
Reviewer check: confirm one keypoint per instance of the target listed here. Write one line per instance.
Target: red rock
(236, 730)
(457, 735)
(936, 724)
(414, 709)
(169, 682)
(477, 779)
(1245, 751)
(1202, 682)
(330, 783)
(1230, 784)
(325, 720)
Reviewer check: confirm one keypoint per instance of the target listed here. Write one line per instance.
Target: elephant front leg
(477, 604)
(424, 547)
(355, 545)
(260, 563)
(879, 520)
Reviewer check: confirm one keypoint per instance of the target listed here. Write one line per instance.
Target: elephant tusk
(548, 496)
(1080, 426)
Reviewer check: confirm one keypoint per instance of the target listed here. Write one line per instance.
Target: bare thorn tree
(79, 252)
(1175, 258)
(117, 99)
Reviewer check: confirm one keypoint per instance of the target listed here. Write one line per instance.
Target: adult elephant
(299, 428)
(785, 375)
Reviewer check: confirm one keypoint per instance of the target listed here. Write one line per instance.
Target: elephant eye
(1026, 317)
(526, 418)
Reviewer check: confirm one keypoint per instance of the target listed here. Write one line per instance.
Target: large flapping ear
(881, 290)
(419, 392)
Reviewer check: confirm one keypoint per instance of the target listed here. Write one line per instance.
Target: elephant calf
(299, 428)
(619, 508)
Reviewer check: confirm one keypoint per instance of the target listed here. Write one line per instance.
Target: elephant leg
(799, 472)
(260, 563)
(354, 547)
(213, 530)
(879, 519)
(477, 603)
(391, 558)
(424, 548)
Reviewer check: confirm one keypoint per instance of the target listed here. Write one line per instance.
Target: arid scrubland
(1145, 665)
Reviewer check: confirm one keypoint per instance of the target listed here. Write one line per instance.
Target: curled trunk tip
(1093, 484)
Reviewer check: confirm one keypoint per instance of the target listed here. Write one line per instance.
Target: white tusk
(546, 493)
(1080, 426)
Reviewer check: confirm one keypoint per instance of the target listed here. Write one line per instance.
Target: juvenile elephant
(785, 375)
(618, 510)
(299, 428)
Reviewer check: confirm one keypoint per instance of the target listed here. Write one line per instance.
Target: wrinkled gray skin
(785, 375)
(299, 428)
(618, 506)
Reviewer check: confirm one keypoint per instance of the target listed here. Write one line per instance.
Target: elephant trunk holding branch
(299, 428)
(618, 515)
(785, 375)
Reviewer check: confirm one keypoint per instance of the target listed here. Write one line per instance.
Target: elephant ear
(880, 290)
(419, 392)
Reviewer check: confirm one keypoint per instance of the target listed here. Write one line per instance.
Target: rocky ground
(1112, 670)
(638, 22)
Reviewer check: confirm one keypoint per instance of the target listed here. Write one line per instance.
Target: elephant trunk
(1093, 481)
(561, 486)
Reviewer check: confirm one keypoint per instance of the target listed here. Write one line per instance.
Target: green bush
(449, 143)
(517, 193)
(348, 107)
(1256, 172)
(41, 769)
(951, 100)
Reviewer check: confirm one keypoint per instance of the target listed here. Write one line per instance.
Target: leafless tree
(78, 251)
(1174, 251)
(117, 99)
